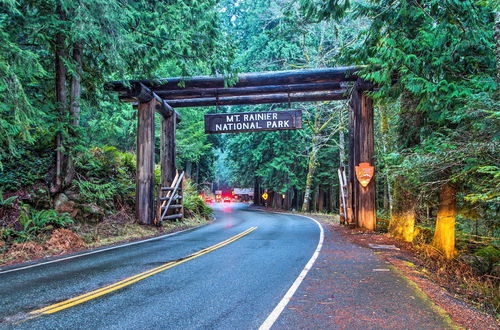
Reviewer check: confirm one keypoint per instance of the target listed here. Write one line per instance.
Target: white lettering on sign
(255, 116)
(252, 121)
(278, 124)
(232, 118)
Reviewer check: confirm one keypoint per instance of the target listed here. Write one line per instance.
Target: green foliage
(118, 40)
(35, 222)
(18, 65)
(193, 203)
(490, 256)
(193, 145)
(29, 165)
(490, 187)
(274, 35)
(105, 176)
(7, 201)
(157, 175)
(99, 194)
(435, 61)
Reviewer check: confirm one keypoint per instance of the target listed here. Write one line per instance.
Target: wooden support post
(352, 183)
(145, 162)
(168, 149)
(361, 151)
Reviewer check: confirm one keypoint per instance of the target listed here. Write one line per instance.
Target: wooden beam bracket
(141, 93)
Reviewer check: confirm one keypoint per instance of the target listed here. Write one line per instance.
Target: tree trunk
(277, 200)
(385, 204)
(314, 204)
(168, 149)
(311, 168)
(294, 204)
(411, 120)
(61, 99)
(444, 236)
(188, 168)
(497, 41)
(321, 200)
(331, 199)
(76, 86)
(287, 199)
(404, 206)
(197, 175)
(341, 139)
(74, 110)
(402, 224)
(256, 191)
(361, 150)
(300, 197)
(384, 130)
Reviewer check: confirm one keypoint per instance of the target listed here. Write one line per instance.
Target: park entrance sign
(278, 87)
(253, 121)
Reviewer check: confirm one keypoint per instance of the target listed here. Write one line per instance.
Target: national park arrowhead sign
(364, 173)
(253, 121)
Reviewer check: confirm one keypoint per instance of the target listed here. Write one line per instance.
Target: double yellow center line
(130, 280)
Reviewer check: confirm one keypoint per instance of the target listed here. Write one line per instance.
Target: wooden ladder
(343, 209)
(170, 198)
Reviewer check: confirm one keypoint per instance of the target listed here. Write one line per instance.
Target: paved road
(234, 286)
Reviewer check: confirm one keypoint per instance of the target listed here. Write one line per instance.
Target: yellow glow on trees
(444, 236)
(402, 223)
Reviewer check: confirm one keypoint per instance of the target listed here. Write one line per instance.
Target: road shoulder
(56, 256)
(462, 312)
(354, 287)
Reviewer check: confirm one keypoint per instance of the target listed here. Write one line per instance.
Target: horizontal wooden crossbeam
(190, 93)
(260, 99)
(289, 77)
(248, 88)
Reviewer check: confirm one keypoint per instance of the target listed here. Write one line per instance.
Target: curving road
(230, 274)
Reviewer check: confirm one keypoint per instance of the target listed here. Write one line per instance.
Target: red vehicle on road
(224, 196)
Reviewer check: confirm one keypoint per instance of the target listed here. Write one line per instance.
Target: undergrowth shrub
(95, 192)
(490, 256)
(422, 235)
(105, 177)
(6, 202)
(462, 276)
(193, 203)
(34, 222)
(24, 168)
(6, 206)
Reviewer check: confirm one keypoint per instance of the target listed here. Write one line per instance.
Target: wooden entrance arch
(164, 95)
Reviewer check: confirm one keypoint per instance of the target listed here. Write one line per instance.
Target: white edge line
(97, 251)
(268, 323)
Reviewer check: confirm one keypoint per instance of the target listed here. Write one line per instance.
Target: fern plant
(95, 192)
(7, 202)
(35, 222)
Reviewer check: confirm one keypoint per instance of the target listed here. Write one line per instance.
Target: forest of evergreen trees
(68, 144)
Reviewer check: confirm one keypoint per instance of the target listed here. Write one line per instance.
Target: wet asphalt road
(234, 287)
